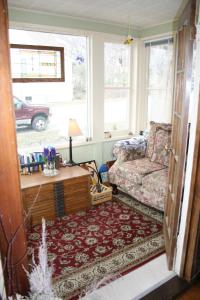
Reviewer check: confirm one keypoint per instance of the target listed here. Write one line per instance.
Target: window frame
(130, 88)
(146, 45)
(95, 95)
(82, 139)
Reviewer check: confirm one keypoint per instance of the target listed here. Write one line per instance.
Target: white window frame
(87, 35)
(145, 70)
(131, 87)
(95, 74)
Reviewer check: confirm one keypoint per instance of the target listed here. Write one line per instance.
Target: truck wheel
(39, 123)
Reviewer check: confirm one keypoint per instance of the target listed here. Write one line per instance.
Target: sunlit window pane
(160, 66)
(159, 89)
(63, 100)
(117, 89)
(116, 109)
(159, 109)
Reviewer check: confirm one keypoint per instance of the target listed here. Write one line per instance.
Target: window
(117, 86)
(160, 74)
(42, 109)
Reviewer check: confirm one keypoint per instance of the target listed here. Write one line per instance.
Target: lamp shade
(73, 128)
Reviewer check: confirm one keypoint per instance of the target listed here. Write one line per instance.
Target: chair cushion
(133, 171)
(154, 127)
(154, 188)
(162, 140)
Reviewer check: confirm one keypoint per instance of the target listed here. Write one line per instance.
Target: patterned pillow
(151, 139)
(162, 140)
(130, 149)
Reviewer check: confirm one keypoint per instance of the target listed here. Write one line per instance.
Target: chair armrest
(130, 149)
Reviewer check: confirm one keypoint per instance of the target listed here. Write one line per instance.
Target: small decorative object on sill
(141, 132)
(50, 160)
(107, 135)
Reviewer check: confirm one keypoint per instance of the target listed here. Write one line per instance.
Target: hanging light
(129, 39)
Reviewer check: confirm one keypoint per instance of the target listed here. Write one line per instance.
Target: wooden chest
(52, 197)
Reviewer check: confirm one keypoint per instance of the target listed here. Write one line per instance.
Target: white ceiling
(139, 13)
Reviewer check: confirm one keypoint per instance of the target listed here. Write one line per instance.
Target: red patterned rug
(112, 238)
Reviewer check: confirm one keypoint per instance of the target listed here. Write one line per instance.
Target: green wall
(28, 17)
(159, 29)
(44, 19)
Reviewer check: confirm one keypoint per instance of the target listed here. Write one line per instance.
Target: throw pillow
(151, 138)
(162, 140)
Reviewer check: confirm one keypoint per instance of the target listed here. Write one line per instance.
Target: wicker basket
(104, 195)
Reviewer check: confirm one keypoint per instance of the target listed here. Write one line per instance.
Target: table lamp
(73, 130)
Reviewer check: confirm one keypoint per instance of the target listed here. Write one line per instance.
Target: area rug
(112, 238)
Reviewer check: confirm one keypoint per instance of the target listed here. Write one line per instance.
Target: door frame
(13, 247)
(188, 222)
(180, 128)
(11, 142)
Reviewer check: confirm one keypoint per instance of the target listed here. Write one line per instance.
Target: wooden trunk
(51, 197)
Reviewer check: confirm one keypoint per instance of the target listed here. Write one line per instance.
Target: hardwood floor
(176, 289)
(192, 293)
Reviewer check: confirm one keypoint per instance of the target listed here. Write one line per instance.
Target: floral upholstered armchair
(141, 168)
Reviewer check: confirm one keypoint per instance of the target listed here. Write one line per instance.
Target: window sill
(80, 144)
(75, 144)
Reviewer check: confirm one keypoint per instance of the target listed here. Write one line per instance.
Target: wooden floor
(176, 289)
(192, 293)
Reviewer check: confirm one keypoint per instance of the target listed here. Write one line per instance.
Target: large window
(160, 75)
(117, 86)
(43, 109)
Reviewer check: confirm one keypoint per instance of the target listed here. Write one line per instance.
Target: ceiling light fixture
(129, 40)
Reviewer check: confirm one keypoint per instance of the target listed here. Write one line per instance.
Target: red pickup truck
(35, 116)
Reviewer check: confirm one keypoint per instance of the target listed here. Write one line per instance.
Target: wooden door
(191, 263)
(178, 149)
(12, 234)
